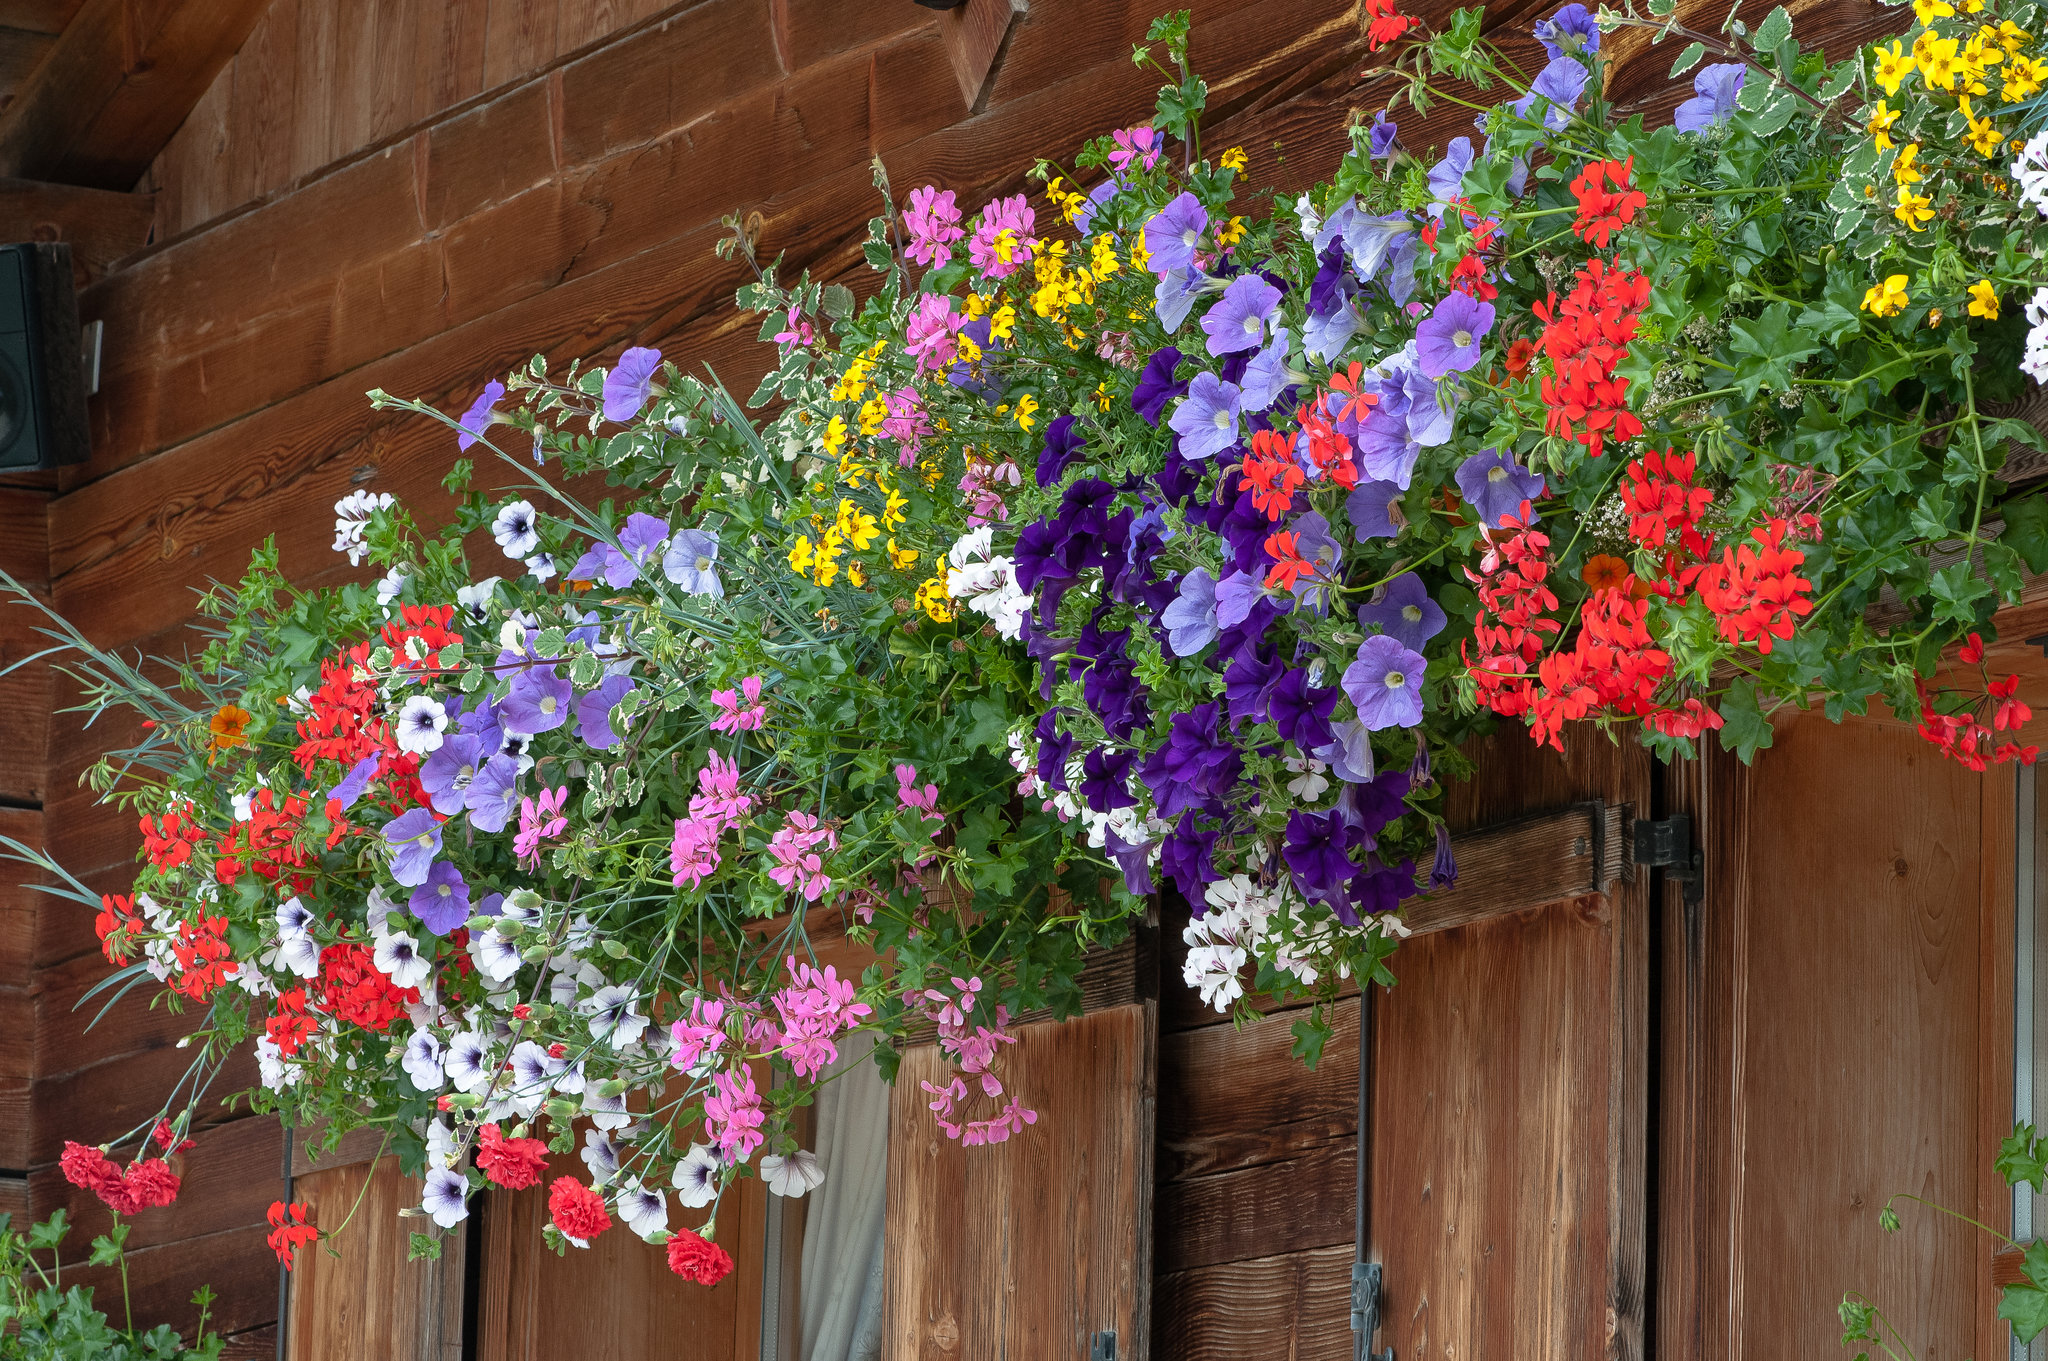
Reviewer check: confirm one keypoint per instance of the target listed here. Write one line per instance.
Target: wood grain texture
(1295, 1307)
(1526, 862)
(356, 1295)
(1236, 1097)
(975, 35)
(1064, 1209)
(101, 226)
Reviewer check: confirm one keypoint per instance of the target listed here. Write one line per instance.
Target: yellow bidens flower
(1026, 405)
(1893, 67)
(855, 526)
(835, 434)
(852, 383)
(902, 559)
(2012, 37)
(1231, 232)
(1984, 300)
(892, 511)
(1903, 170)
(1881, 119)
(1139, 255)
(801, 555)
(1913, 209)
(1939, 64)
(933, 600)
(1927, 11)
(1983, 136)
(1102, 261)
(1232, 159)
(2023, 79)
(1003, 323)
(872, 413)
(1887, 299)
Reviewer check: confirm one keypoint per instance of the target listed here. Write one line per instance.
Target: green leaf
(1773, 347)
(1311, 1032)
(989, 727)
(1744, 729)
(1840, 83)
(1956, 589)
(1688, 59)
(2023, 1158)
(2026, 1305)
(2026, 530)
(1776, 27)
(423, 1246)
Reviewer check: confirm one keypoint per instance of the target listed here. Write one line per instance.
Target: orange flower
(226, 725)
(1604, 572)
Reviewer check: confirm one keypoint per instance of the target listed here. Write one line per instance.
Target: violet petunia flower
(1063, 444)
(478, 418)
(1444, 872)
(1374, 509)
(538, 701)
(691, 562)
(1106, 779)
(1447, 176)
(356, 781)
(1323, 338)
(627, 386)
(446, 774)
(1134, 858)
(1448, 339)
(1318, 851)
(1404, 612)
(1237, 321)
(1349, 752)
(493, 793)
(1713, 100)
(1174, 297)
(1265, 377)
(1571, 29)
(442, 901)
(1191, 619)
(1384, 131)
(1561, 83)
(1206, 419)
(1385, 682)
(640, 538)
(1302, 711)
(1235, 595)
(1173, 233)
(1156, 386)
(415, 839)
(1195, 763)
(594, 711)
(1495, 486)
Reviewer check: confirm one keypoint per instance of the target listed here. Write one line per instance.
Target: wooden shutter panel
(1033, 1247)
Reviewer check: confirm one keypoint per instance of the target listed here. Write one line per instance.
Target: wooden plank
(120, 1094)
(518, 39)
(116, 86)
(1526, 862)
(14, 1200)
(1236, 1097)
(359, 1145)
(1071, 1198)
(975, 35)
(357, 1295)
(161, 1279)
(101, 226)
(1260, 1211)
(1293, 1306)
(1997, 899)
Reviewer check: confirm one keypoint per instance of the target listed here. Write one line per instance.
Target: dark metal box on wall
(42, 367)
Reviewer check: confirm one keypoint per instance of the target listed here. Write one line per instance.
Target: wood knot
(945, 1333)
(1899, 867)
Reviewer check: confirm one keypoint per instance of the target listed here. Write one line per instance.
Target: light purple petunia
(1206, 419)
(493, 793)
(442, 901)
(538, 701)
(1571, 29)
(1447, 176)
(415, 839)
(446, 774)
(1350, 755)
(1387, 450)
(1237, 321)
(1493, 484)
(1314, 542)
(1265, 377)
(1561, 82)
(1448, 339)
(1172, 234)
(1191, 619)
(1404, 612)
(356, 781)
(1235, 596)
(1385, 682)
(1383, 134)
(1174, 297)
(692, 562)
(627, 386)
(478, 418)
(1713, 99)
(1324, 337)
(641, 537)
(1374, 509)
(594, 711)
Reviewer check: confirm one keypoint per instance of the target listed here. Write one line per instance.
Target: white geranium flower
(1212, 970)
(643, 1209)
(351, 514)
(517, 529)
(697, 1177)
(275, 1072)
(420, 724)
(447, 1197)
(422, 1061)
(988, 584)
(1309, 782)
(399, 958)
(794, 1175)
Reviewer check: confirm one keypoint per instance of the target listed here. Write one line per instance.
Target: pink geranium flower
(732, 717)
(733, 1116)
(540, 820)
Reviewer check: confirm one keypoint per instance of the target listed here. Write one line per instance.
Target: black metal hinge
(1104, 1348)
(1666, 844)
(1365, 1310)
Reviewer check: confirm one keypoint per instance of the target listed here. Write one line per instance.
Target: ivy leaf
(1836, 315)
(2026, 530)
(1311, 1032)
(2026, 1305)
(990, 725)
(2023, 1158)
(1956, 589)
(1744, 729)
(1773, 347)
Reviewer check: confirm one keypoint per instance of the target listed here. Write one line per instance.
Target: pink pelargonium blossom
(1010, 1120)
(795, 868)
(718, 803)
(540, 819)
(796, 330)
(733, 1116)
(932, 328)
(813, 1007)
(733, 718)
(693, 855)
(978, 489)
(699, 1033)
(925, 801)
(907, 422)
(933, 223)
(1142, 143)
(1002, 242)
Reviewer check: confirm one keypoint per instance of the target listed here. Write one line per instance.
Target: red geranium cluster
(1514, 623)
(577, 1210)
(418, 635)
(342, 722)
(1586, 335)
(289, 1231)
(1665, 511)
(698, 1259)
(290, 1027)
(268, 843)
(513, 1163)
(1755, 593)
(147, 1184)
(352, 988)
(1963, 736)
(168, 840)
(204, 960)
(1386, 24)
(116, 925)
(1273, 473)
(1604, 210)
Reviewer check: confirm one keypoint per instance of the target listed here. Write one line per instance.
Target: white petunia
(441, 1145)
(476, 601)
(497, 958)
(542, 565)
(697, 1176)
(613, 1012)
(794, 1175)
(447, 1197)
(422, 1061)
(606, 1112)
(245, 802)
(600, 1155)
(399, 958)
(465, 1062)
(643, 1209)
(517, 529)
(351, 514)
(293, 917)
(420, 724)
(300, 953)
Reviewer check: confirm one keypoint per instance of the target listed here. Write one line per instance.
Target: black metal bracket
(1365, 1310)
(2039, 640)
(1666, 844)
(1104, 1346)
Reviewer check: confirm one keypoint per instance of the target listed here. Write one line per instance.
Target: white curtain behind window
(842, 1259)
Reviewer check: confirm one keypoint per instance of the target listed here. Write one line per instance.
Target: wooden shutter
(1034, 1247)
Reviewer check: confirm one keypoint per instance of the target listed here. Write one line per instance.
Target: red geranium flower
(577, 1210)
(1603, 211)
(289, 1230)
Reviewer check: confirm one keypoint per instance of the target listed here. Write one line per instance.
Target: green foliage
(41, 1319)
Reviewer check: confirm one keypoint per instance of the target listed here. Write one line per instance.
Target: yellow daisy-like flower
(1139, 255)
(1927, 11)
(1007, 244)
(852, 383)
(1913, 209)
(1003, 323)
(1893, 67)
(976, 306)
(1102, 397)
(1984, 300)
(856, 574)
(1231, 232)
(1102, 259)
(1882, 116)
(1983, 136)
(1985, 47)
(1904, 171)
(1232, 159)
(2012, 37)
(892, 510)
(872, 413)
(1887, 299)
(1939, 64)
(1026, 405)
(801, 555)
(1973, 6)
(2023, 79)
(835, 434)
(855, 526)
(933, 600)
(902, 559)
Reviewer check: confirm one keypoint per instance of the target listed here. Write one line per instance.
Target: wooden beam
(1547, 858)
(102, 226)
(115, 87)
(975, 35)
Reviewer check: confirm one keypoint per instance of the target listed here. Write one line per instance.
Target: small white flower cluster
(2035, 362)
(2030, 172)
(987, 583)
(1131, 825)
(351, 514)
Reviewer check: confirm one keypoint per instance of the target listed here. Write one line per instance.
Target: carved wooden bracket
(975, 35)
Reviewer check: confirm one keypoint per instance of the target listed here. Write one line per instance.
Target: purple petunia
(1571, 29)
(1374, 509)
(1561, 83)
(1172, 234)
(493, 793)
(1156, 386)
(641, 537)
(1235, 595)
(1404, 612)
(1188, 856)
(478, 418)
(1713, 99)
(538, 701)
(1190, 620)
(446, 774)
(1238, 319)
(1444, 872)
(1063, 444)
(1447, 176)
(1134, 858)
(1106, 779)
(1265, 377)
(627, 386)
(1494, 485)
(1385, 682)
(356, 781)
(1318, 851)
(1323, 338)
(1302, 711)
(1448, 339)
(1349, 752)
(1174, 297)
(691, 562)
(1195, 763)
(441, 902)
(415, 839)
(1383, 134)
(594, 711)
(1206, 419)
